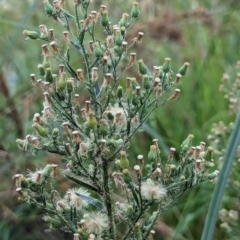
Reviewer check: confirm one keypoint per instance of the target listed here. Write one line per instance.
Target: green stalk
(222, 180)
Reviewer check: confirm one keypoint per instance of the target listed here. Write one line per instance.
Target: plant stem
(107, 198)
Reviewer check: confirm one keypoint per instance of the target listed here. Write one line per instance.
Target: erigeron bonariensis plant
(112, 195)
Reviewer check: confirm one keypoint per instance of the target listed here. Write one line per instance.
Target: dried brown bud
(80, 75)
(33, 79)
(178, 77)
(175, 94)
(45, 51)
(66, 36)
(91, 46)
(54, 45)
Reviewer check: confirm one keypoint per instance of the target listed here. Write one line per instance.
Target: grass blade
(221, 183)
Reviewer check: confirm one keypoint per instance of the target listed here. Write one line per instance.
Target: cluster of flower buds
(92, 135)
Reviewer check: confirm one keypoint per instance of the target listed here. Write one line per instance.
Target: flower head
(96, 222)
(152, 191)
(74, 197)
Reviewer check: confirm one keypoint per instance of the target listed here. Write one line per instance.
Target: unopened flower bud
(146, 82)
(142, 68)
(119, 92)
(183, 69)
(49, 76)
(41, 70)
(126, 176)
(31, 34)
(104, 18)
(137, 231)
(167, 65)
(208, 156)
(70, 84)
(42, 131)
(135, 10)
(124, 163)
(48, 7)
(152, 155)
(61, 84)
(92, 121)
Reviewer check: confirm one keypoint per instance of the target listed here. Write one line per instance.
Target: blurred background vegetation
(204, 33)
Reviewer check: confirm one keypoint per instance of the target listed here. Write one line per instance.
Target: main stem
(107, 199)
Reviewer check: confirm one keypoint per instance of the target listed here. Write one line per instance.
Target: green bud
(118, 50)
(129, 211)
(137, 231)
(48, 75)
(103, 129)
(46, 62)
(98, 52)
(104, 18)
(167, 65)
(119, 92)
(23, 182)
(208, 156)
(183, 70)
(124, 163)
(135, 10)
(41, 70)
(42, 131)
(70, 86)
(31, 34)
(61, 84)
(208, 164)
(92, 121)
(118, 38)
(146, 82)
(123, 21)
(152, 155)
(134, 83)
(187, 142)
(126, 176)
(56, 223)
(142, 68)
(48, 7)
(55, 132)
(123, 30)
(213, 175)
(47, 170)
(135, 100)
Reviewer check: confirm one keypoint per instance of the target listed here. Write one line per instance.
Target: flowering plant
(113, 195)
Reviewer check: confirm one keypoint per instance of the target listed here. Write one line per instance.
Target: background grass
(204, 33)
